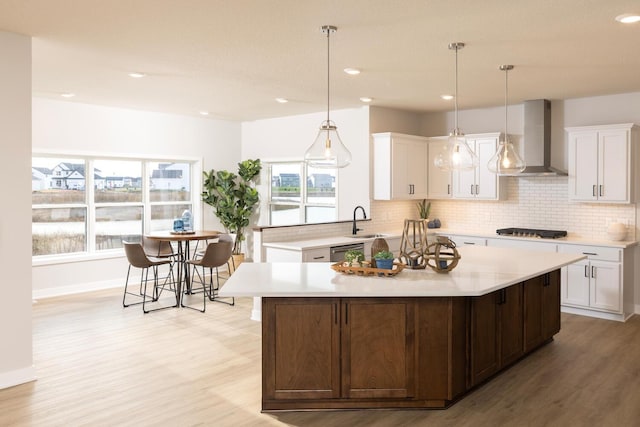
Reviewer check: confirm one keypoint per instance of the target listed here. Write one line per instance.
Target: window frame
(90, 205)
(303, 204)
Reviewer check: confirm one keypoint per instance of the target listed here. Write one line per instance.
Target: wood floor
(101, 365)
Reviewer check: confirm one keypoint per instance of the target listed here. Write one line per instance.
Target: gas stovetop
(531, 232)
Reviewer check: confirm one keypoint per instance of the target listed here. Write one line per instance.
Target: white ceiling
(233, 57)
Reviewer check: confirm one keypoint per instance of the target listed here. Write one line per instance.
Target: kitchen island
(415, 340)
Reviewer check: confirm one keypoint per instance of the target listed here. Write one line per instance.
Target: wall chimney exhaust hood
(537, 139)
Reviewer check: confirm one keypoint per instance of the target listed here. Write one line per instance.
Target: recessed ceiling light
(628, 18)
(366, 99)
(67, 95)
(446, 97)
(204, 113)
(137, 75)
(282, 100)
(352, 71)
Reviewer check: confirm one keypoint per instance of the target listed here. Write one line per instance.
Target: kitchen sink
(366, 236)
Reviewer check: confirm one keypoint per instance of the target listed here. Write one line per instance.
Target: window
(93, 204)
(301, 194)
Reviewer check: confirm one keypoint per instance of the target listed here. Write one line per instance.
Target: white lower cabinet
(467, 240)
(289, 255)
(598, 283)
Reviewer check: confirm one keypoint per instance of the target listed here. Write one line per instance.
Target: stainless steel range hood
(537, 139)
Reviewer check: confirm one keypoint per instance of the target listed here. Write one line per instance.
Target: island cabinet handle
(546, 281)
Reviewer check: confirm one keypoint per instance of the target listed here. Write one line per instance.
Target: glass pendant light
(506, 160)
(456, 155)
(328, 151)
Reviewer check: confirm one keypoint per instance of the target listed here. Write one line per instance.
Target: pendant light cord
(328, 69)
(506, 108)
(455, 118)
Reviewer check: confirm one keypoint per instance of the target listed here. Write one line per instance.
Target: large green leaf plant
(233, 197)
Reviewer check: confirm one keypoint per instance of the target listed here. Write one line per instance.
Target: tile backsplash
(531, 202)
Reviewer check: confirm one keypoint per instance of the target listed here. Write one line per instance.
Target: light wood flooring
(101, 365)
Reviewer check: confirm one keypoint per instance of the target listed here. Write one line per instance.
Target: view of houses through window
(300, 194)
(92, 204)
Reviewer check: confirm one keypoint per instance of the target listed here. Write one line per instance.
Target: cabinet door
(418, 169)
(575, 284)
(551, 305)
(300, 348)
(486, 181)
(464, 184)
(485, 353)
(400, 154)
(583, 166)
(439, 182)
(533, 309)
(613, 173)
(378, 348)
(605, 285)
(511, 325)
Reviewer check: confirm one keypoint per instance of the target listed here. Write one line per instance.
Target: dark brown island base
(355, 353)
(416, 340)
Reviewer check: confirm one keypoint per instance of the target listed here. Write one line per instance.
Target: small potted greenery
(353, 258)
(384, 259)
(423, 209)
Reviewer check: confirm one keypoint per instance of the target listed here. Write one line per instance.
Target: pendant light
(328, 151)
(456, 155)
(506, 160)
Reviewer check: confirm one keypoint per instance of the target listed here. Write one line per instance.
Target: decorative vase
(378, 245)
(442, 256)
(237, 259)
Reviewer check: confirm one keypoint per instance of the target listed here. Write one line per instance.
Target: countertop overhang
(481, 270)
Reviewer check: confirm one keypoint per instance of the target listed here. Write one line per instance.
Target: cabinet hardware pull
(593, 272)
(472, 189)
(468, 243)
(601, 192)
(448, 188)
(586, 271)
(318, 257)
(593, 191)
(477, 191)
(589, 253)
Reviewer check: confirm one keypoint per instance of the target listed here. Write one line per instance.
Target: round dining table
(183, 239)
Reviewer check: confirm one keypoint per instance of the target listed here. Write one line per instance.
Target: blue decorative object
(387, 264)
(186, 220)
(178, 225)
(436, 223)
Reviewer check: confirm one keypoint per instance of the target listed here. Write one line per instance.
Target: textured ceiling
(233, 57)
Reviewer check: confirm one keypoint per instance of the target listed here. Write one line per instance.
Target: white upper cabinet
(602, 163)
(400, 167)
(439, 182)
(479, 183)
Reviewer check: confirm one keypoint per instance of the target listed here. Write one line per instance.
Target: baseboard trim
(17, 377)
(596, 314)
(77, 289)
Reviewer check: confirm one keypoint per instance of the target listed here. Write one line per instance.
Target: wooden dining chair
(215, 256)
(138, 258)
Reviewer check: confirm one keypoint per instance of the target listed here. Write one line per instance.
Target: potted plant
(353, 258)
(423, 209)
(233, 198)
(384, 259)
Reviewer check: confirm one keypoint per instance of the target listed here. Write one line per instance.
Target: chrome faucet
(364, 214)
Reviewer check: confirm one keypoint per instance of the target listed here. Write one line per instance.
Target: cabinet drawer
(600, 253)
(468, 240)
(523, 244)
(316, 255)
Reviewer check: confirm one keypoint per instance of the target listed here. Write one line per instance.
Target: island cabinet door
(484, 344)
(541, 308)
(301, 348)
(511, 333)
(378, 348)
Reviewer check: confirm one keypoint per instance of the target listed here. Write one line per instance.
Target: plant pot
(386, 264)
(237, 260)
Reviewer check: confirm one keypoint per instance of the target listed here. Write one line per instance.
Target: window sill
(77, 257)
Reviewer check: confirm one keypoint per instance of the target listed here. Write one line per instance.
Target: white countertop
(481, 270)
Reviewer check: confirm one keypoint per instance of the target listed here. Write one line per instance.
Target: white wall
(287, 138)
(68, 127)
(16, 356)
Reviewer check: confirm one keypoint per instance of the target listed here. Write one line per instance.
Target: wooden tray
(180, 233)
(368, 271)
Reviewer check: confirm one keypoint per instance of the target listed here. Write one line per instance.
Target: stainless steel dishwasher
(337, 252)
